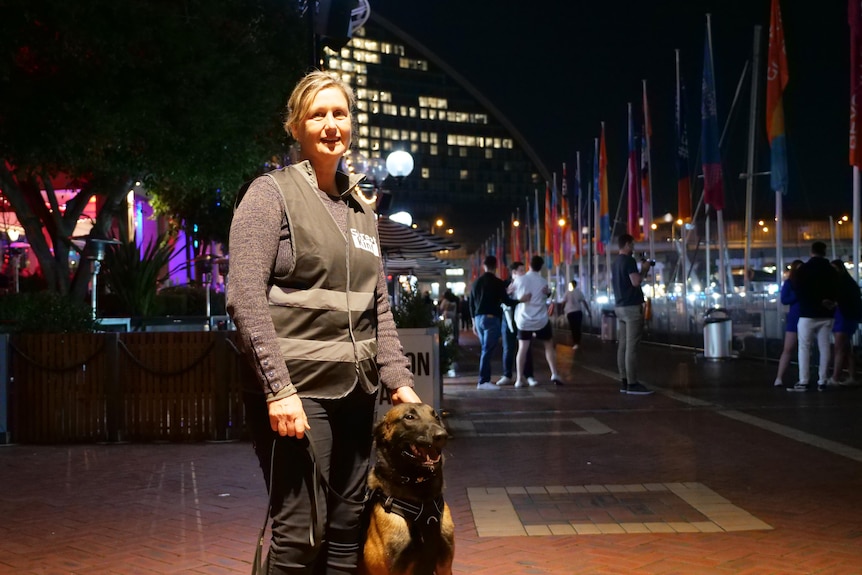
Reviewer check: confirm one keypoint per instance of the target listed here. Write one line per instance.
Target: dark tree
(186, 96)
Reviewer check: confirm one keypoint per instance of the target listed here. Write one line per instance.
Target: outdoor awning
(415, 265)
(398, 238)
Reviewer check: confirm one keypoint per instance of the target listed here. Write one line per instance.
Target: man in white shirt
(532, 319)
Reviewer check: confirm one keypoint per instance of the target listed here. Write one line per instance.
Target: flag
(597, 201)
(683, 184)
(604, 212)
(713, 186)
(528, 233)
(556, 216)
(570, 249)
(632, 224)
(646, 192)
(855, 20)
(578, 213)
(776, 81)
(538, 227)
(549, 230)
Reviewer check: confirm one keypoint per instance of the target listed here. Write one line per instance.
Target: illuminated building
(472, 166)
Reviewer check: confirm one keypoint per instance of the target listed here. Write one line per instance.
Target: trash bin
(717, 334)
(609, 324)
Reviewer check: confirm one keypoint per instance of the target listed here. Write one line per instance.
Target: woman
(309, 299)
(574, 301)
(847, 316)
(791, 337)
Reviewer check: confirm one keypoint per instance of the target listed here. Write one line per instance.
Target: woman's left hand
(404, 394)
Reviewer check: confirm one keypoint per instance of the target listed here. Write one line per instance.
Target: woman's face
(324, 133)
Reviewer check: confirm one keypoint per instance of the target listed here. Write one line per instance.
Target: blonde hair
(306, 89)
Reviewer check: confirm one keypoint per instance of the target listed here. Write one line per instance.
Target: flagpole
(856, 202)
(579, 234)
(749, 183)
(683, 234)
(590, 234)
(648, 215)
(597, 224)
(719, 213)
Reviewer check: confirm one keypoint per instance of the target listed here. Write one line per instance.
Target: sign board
(422, 348)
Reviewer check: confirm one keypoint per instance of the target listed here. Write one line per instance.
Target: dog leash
(317, 479)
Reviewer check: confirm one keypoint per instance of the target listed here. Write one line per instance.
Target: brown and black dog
(410, 530)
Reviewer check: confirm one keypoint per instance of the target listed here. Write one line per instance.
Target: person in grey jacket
(308, 296)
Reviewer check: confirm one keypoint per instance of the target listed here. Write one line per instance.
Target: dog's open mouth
(427, 456)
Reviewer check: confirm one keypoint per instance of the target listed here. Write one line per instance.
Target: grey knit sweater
(261, 249)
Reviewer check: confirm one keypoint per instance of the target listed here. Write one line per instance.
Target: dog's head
(411, 436)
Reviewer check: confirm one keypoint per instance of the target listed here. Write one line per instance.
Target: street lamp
(400, 165)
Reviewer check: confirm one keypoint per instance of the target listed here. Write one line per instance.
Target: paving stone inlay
(606, 509)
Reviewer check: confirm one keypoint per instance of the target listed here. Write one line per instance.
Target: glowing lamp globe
(399, 164)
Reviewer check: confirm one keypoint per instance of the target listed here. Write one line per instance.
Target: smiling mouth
(426, 456)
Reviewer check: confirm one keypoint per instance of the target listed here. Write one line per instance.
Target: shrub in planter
(413, 311)
(44, 312)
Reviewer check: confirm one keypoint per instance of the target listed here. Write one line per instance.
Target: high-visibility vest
(324, 311)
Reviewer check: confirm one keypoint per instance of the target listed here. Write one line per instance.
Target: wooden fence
(111, 387)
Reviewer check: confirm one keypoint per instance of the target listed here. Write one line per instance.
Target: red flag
(855, 20)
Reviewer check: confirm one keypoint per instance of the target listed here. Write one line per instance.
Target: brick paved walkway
(717, 473)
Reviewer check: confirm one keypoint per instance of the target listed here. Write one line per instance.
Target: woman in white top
(574, 301)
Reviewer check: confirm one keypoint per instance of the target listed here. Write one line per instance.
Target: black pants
(576, 318)
(341, 432)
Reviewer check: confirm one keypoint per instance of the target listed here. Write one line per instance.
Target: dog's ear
(379, 428)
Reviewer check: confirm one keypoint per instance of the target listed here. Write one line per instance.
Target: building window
(489, 188)
(465, 174)
(426, 173)
(489, 154)
(433, 150)
(462, 152)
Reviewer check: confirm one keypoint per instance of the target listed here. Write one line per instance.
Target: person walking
(464, 313)
(510, 334)
(788, 298)
(448, 308)
(573, 302)
(847, 317)
(816, 286)
(532, 319)
(628, 306)
(308, 297)
(486, 296)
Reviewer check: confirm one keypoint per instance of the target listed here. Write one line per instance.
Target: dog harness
(422, 513)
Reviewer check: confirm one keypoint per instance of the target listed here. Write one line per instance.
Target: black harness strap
(421, 513)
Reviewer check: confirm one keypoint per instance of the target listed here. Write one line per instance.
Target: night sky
(557, 69)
